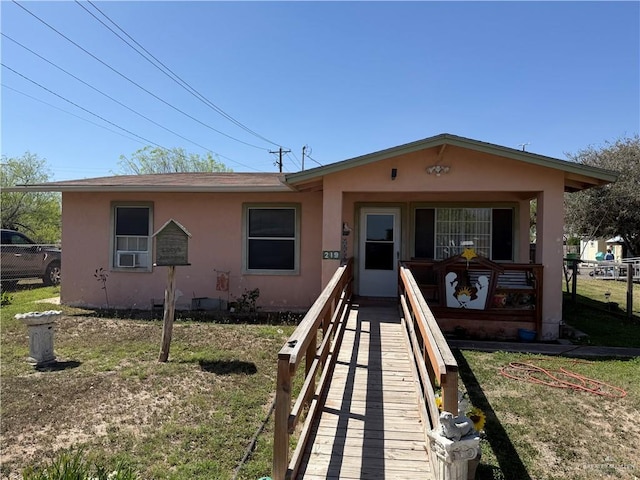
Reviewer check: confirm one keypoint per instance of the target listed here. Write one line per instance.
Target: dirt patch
(111, 395)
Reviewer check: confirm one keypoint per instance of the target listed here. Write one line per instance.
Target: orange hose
(561, 378)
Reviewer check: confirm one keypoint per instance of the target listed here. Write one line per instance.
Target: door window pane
(380, 227)
(378, 256)
(379, 244)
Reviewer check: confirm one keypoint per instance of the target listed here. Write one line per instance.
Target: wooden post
(449, 390)
(574, 280)
(310, 357)
(630, 269)
(169, 314)
(281, 427)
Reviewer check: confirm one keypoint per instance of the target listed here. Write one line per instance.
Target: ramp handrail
(433, 358)
(327, 313)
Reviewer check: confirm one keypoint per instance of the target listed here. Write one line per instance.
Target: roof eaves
(148, 188)
(313, 173)
(449, 139)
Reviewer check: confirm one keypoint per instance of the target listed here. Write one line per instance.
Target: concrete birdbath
(40, 326)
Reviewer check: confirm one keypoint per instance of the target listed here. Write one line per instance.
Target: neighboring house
(589, 249)
(287, 233)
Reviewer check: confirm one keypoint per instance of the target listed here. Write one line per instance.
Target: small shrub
(101, 276)
(246, 303)
(73, 466)
(5, 298)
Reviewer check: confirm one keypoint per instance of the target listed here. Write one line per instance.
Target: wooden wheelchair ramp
(370, 424)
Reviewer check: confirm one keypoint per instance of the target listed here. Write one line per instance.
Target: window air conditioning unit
(127, 259)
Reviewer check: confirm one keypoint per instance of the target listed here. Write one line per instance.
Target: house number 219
(330, 255)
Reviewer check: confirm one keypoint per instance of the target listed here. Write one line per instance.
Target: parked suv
(22, 258)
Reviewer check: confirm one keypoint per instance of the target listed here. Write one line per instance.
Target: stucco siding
(215, 223)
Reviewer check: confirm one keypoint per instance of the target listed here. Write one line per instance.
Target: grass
(537, 432)
(593, 314)
(190, 418)
(193, 417)
(74, 466)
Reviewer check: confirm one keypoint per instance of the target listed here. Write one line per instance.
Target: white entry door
(379, 252)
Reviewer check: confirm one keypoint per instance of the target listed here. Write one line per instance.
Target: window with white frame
(132, 237)
(442, 232)
(271, 239)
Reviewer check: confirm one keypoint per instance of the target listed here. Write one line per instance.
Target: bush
(5, 298)
(72, 466)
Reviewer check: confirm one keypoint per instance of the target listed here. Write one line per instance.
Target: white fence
(609, 269)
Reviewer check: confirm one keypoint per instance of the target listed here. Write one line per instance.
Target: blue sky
(345, 79)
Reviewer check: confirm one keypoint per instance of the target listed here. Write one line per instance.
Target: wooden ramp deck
(369, 425)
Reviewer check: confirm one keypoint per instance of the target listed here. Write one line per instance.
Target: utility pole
(303, 149)
(279, 162)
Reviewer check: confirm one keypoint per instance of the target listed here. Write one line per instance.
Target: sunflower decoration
(474, 414)
(439, 403)
(478, 418)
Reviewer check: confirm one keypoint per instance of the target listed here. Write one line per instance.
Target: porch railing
(327, 313)
(433, 359)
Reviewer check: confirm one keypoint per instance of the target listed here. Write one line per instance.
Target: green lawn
(594, 314)
(536, 432)
(193, 417)
(190, 418)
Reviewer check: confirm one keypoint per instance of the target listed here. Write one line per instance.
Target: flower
(439, 402)
(478, 418)
(465, 408)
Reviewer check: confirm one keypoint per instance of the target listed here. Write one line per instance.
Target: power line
(293, 159)
(168, 72)
(104, 94)
(313, 160)
(135, 83)
(70, 113)
(114, 131)
(78, 106)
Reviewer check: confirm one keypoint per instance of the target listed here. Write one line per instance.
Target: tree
(35, 213)
(162, 160)
(612, 209)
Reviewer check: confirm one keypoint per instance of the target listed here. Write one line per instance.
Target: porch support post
(549, 235)
(524, 229)
(331, 228)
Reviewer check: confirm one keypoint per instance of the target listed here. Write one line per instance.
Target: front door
(379, 251)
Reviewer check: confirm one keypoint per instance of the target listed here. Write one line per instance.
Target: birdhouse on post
(172, 245)
(172, 242)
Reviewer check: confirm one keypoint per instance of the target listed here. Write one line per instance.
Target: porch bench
(515, 280)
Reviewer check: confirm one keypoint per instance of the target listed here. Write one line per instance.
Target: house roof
(169, 182)
(577, 176)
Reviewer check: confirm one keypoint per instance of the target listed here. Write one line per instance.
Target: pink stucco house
(423, 202)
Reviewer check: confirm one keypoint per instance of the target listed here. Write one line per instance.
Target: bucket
(526, 335)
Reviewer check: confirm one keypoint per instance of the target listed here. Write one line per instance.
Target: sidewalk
(578, 351)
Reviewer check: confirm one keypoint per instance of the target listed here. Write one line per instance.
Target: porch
(513, 299)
